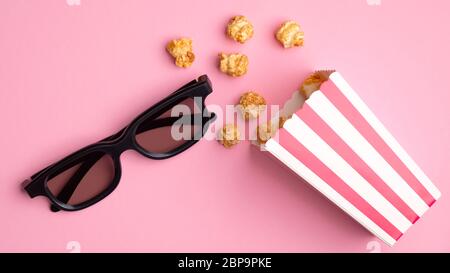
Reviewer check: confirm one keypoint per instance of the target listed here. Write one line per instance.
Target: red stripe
(340, 101)
(313, 120)
(320, 169)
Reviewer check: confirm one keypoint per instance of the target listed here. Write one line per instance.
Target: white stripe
(345, 130)
(316, 145)
(294, 164)
(384, 133)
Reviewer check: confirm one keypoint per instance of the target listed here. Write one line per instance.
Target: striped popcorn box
(336, 144)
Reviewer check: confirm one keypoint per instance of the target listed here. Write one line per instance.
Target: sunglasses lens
(83, 180)
(173, 128)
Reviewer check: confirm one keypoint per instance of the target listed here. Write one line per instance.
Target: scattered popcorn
(312, 83)
(229, 135)
(264, 132)
(234, 65)
(289, 34)
(251, 104)
(181, 50)
(240, 29)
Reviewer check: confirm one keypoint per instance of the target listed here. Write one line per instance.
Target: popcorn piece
(282, 120)
(181, 50)
(234, 65)
(264, 132)
(252, 104)
(290, 34)
(240, 29)
(229, 135)
(312, 83)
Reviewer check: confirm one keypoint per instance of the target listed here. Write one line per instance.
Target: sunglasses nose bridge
(121, 145)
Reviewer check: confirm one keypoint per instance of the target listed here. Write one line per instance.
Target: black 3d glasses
(92, 173)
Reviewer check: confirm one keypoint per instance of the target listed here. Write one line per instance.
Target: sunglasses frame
(119, 142)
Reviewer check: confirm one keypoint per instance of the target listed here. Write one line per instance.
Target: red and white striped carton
(337, 145)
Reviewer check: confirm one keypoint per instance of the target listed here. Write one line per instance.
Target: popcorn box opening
(335, 143)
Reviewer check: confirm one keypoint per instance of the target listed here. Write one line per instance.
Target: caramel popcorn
(181, 50)
(251, 104)
(312, 83)
(264, 132)
(240, 29)
(282, 120)
(289, 34)
(234, 65)
(229, 135)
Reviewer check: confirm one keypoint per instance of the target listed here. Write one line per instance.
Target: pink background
(70, 75)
